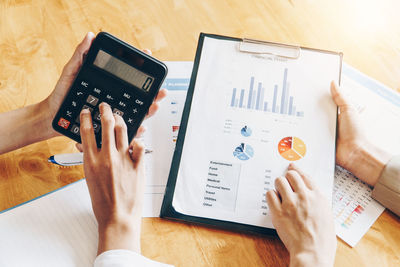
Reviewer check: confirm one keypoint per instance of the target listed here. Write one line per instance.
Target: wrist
(121, 233)
(367, 162)
(47, 116)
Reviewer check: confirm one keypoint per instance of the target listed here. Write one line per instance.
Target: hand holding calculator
(118, 74)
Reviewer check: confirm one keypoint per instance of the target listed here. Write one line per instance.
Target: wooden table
(37, 38)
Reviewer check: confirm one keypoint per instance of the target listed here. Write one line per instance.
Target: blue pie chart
(243, 152)
(246, 131)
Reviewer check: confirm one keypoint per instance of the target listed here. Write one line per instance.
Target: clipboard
(255, 47)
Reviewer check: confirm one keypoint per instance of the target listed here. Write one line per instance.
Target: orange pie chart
(292, 148)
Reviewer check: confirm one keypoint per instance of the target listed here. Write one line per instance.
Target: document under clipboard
(211, 186)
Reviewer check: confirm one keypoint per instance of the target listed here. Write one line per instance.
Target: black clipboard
(246, 46)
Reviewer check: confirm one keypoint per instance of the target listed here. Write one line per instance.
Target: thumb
(137, 151)
(337, 95)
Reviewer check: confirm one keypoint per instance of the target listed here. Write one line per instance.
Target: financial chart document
(250, 116)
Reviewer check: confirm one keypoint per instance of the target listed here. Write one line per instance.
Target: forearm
(25, 126)
(367, 163)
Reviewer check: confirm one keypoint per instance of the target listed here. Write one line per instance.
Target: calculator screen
(123, 71)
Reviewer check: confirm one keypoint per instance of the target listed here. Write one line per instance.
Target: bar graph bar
(241, 98)
(250, 93)
(256, 98)
(233, 97)
(274, 109)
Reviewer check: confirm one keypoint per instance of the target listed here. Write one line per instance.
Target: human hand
(115, 179)
(53, 102)
(303, 219)
(351, 136)
(354, 152)
(70, 70)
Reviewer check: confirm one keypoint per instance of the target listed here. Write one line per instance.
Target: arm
(387, 189)
(366, 161)
(115, 179)
(303, 219)
(25, 126)
(32, 124)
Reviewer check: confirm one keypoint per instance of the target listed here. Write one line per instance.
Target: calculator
(118, 74)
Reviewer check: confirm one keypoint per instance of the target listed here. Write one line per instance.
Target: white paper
(56, 230)
(161, 134)
(379, 108)
(230, 156)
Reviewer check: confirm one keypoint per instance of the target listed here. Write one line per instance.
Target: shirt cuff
(387, 189)
(124, 258)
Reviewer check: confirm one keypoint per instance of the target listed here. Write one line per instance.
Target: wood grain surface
(37, 37)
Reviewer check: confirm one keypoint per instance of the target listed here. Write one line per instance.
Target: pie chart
(243, 152)
(292, 148)
(246, 131)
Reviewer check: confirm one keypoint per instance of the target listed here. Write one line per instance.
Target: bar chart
(285, 104)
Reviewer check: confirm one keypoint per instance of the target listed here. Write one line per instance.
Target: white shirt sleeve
(125, 258)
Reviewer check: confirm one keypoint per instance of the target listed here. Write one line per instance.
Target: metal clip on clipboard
(276, 49)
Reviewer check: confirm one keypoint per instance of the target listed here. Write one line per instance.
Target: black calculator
(118, 74)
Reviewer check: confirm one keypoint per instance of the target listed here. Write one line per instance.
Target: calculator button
(96, 127)
(75, 129)
(135, 110)
(139, 102)
(97, 116)
(68, 113)
(130, 120)
(79, 93)
(122, 104)
(64, 123)
(127, 96)
(97, 90)
(73, 103)
(118, 112)
(109, 97)
(92, 100)
(85, 84)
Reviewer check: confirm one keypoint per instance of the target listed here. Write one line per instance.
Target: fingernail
(85, 111)
(148, 51)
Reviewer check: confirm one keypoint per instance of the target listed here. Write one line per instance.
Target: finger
(121, 134)
(140, 131)
(273, 201)
(296, 182)
(147, 51)
(161, 95)
(79, 147)
(152, 110)
(73, 65)
(284, 189)
(87, 133)
(155, 106)
(307, 181)
(137, 151)
(107, 126)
